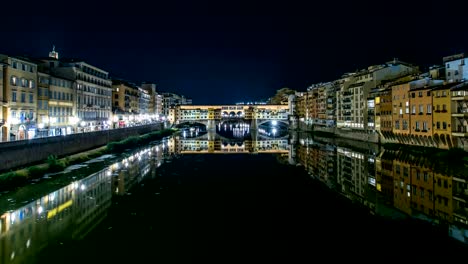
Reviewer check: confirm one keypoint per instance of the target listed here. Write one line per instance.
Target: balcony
(461, 194)
(460, 115)
(460, 98)
(460, 133)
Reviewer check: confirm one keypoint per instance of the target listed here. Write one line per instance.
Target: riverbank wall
(342, 133)
(15, 154)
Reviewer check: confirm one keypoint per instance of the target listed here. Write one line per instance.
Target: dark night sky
(227, 51)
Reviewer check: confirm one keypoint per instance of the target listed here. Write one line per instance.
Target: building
(354, 91)
(459, 112)
(170, 100)
(19, 97)
(56, 105)
(144, 101)
(442, 116)
(93, 90)
(455, 68)
(421, 115)
(125, 102)
(155, 105)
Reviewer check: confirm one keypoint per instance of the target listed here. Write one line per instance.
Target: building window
(23, 97)
(24, 82)
(438, 125)
(429, 109)
(420, 94)
(417, 126)
(13, 96)
(425, 126)
(15, 65)
(24, 67)
(413, 109)
(397, 124)
(421, 109)
(31, 99)
(444, 125)
(13, 80)
(405, 125)
(32, 84)
(447, 66)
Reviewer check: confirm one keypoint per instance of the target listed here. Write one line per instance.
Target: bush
(36, 171)
(11, 179)
(55, 165)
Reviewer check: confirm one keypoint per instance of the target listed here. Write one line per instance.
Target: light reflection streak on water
(80, 205)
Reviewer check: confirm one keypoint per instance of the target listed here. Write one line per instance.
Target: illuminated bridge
(212, 115)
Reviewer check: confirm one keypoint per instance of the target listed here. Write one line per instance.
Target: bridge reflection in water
(378, 180)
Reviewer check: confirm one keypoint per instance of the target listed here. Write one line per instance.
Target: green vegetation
(12, 179)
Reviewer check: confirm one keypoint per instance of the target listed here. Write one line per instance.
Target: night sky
(224, 52)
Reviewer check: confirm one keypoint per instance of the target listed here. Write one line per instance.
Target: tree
(281, 95)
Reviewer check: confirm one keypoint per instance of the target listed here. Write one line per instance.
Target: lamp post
(52, 121)
(83, 124)
(74, 122)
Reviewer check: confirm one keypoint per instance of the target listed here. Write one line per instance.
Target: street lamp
(52, 121)
(74, 121)
(83, 124)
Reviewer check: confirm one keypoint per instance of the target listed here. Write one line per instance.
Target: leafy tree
(282, 95)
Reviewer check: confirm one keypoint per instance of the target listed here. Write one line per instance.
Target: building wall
(421, 115)
(21, 94)
(442, 120)
(456, 69)
(401, 109)
(25, 152)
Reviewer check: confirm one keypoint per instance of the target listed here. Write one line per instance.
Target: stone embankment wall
(19, 153)
(350, 134)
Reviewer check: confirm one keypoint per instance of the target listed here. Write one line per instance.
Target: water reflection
(389, 186)
(203, 146)
(73, 211)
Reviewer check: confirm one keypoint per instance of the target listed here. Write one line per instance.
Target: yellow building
(125, 102)
(400, 111)
(62, 110)
(20, 95)
(442, 116)
(43, 104)
(421, 116)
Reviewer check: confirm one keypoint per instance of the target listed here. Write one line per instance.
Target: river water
(209, 199)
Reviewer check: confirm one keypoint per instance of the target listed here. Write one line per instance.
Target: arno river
(210, 199)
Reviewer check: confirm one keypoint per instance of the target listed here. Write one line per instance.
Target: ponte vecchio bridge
(211, 115)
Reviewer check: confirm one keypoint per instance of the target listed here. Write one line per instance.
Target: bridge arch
(279, 121)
